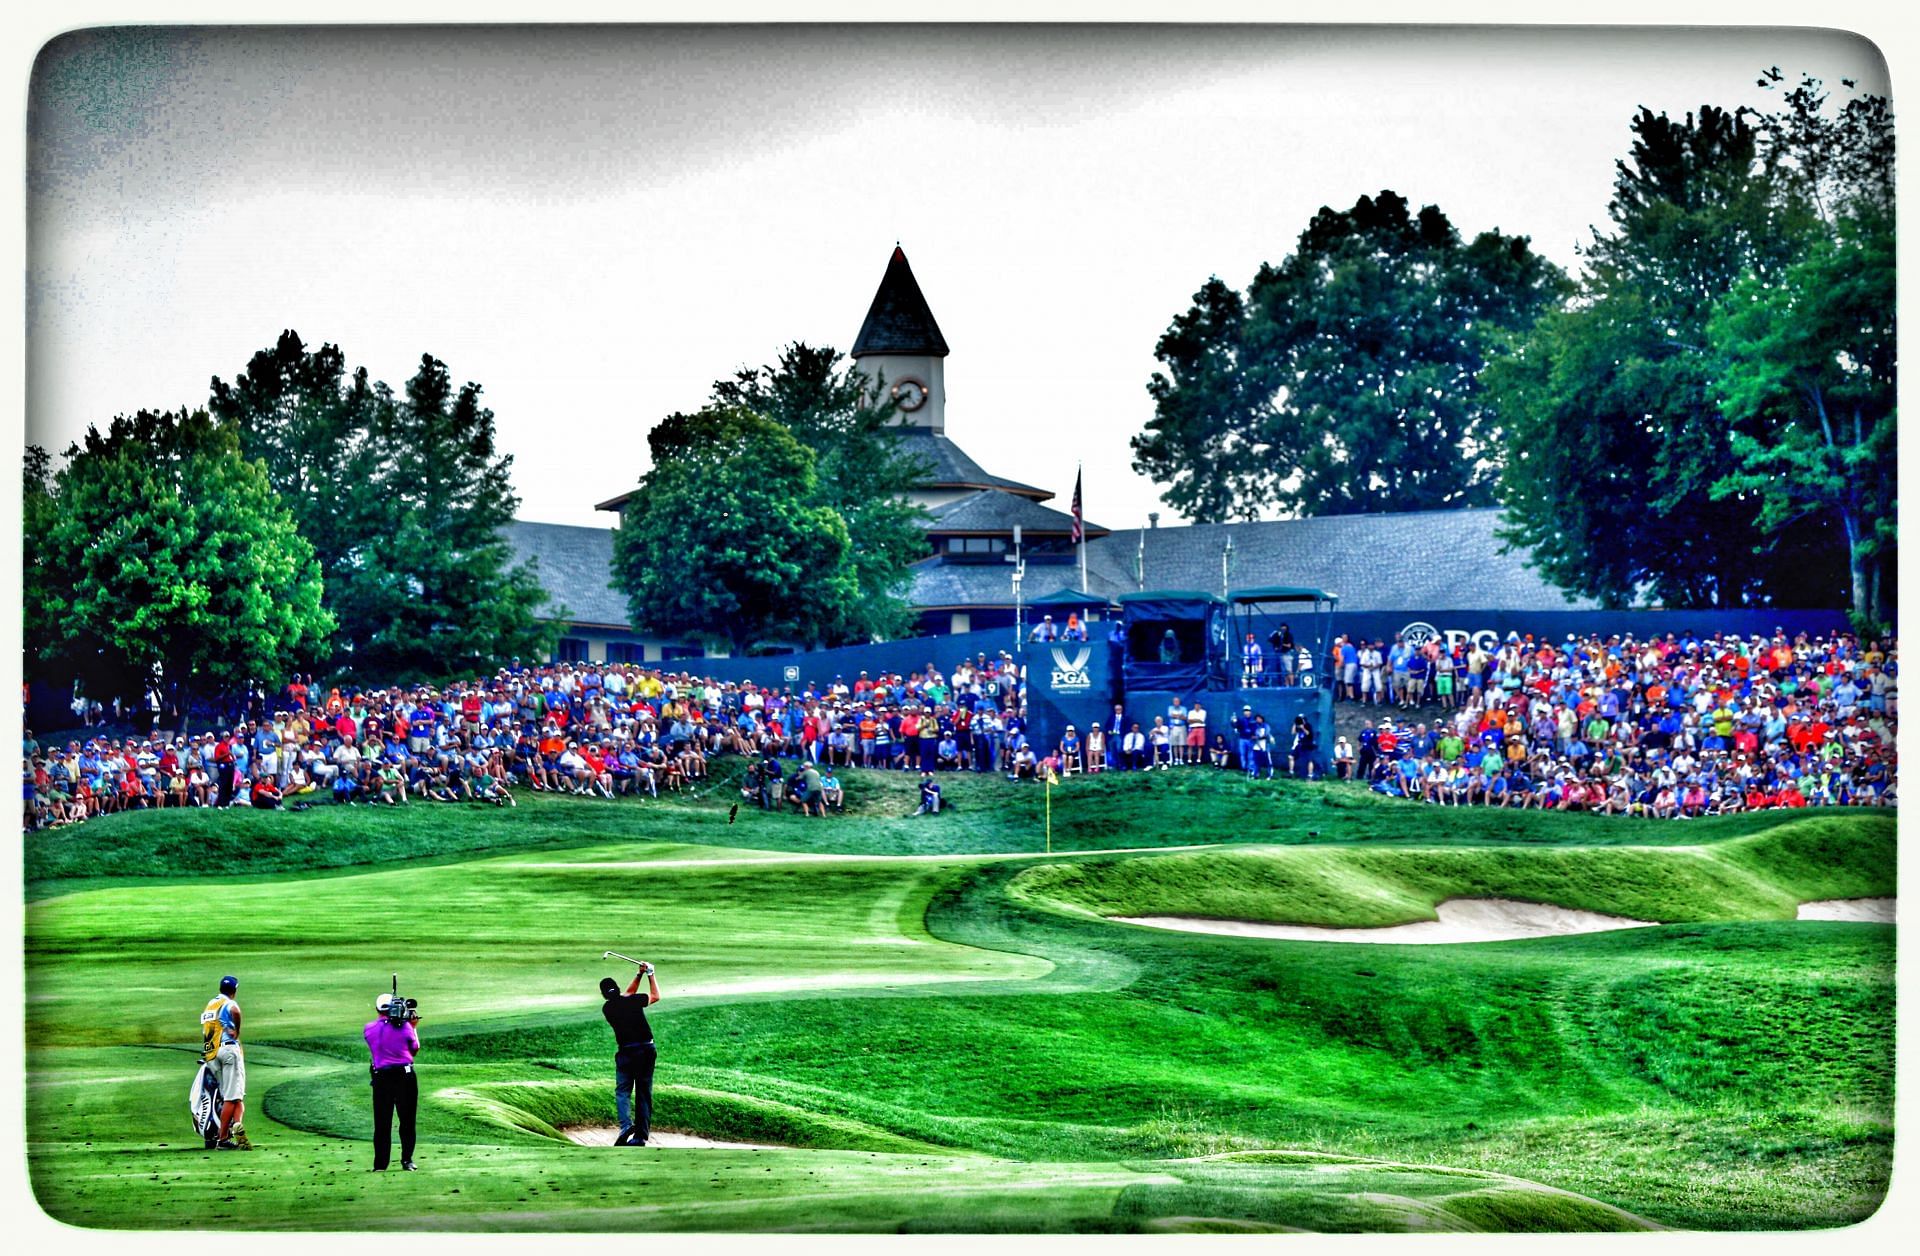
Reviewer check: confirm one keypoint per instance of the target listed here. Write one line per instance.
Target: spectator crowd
(1674, 727)
(1682, 725)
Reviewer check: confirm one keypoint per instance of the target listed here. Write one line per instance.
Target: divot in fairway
(1460, 920)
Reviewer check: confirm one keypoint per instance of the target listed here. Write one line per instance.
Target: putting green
(958, 1039)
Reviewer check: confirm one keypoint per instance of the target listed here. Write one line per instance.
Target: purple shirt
(391, 1044)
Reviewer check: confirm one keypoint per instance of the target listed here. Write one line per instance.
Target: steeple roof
(899, 321)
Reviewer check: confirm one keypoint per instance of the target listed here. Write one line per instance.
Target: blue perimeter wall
(1078, 686)
(821, 666)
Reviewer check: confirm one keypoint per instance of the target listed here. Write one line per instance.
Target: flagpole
(1079, 525)
(1049, 811)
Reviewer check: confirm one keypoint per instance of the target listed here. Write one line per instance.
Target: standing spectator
(1301, 752)
(1252, 662)
(1196, 747)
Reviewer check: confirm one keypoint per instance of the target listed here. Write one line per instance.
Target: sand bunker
(603, 1136)
(1461, 920)
(1877, 910)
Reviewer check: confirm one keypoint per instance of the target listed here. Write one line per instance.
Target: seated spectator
(929, 795)
(266, 794)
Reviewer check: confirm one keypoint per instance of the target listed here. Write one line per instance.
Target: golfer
(634, 1057)
(220, 1048)
(396, 1087)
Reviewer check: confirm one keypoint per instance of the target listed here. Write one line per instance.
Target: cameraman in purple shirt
(394, 1042)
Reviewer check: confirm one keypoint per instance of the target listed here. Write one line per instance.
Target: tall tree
(1806, 361)
(309, 424)
(404, 500)
(724, 537)
(441, 595)
(1346, 379)
(1615, 439)
(171, 551)
(861, 473)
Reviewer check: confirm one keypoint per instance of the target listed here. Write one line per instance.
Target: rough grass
(989, 816)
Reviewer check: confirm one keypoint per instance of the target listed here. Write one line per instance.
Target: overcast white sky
(595, 224)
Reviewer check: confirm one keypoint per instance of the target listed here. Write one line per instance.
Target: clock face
(911, 394)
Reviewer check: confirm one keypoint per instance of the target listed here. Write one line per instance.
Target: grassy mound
(549, 1108)
(988, 816)
(1764, 877)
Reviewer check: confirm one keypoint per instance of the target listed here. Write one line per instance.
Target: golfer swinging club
(220, 1048)
(635, 1055)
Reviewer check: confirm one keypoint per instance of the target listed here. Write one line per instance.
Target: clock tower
(901, 349)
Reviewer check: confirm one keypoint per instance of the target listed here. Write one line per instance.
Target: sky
(595, 224)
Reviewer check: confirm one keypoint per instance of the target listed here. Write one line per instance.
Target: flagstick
(1049, 812)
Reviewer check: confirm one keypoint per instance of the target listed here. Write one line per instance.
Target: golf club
(617, 955)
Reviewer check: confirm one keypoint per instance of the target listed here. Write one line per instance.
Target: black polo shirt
(627, 1013)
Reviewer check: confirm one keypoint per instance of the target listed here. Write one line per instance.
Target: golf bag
(203, 1102)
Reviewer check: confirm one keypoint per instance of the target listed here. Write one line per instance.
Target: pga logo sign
(1419, 632)
(1070, 670)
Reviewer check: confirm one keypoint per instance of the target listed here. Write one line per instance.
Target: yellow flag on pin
(1052, 778)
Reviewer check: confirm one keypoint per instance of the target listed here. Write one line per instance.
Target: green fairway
(935, 1022)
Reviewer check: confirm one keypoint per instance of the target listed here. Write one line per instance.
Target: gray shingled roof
(948, 466)
(1424, 560)
(991, 510)
(574, 565)
(987, 584)
(899, 321)
(1418, 560)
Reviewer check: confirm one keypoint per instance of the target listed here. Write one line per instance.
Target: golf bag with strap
(203, 1102)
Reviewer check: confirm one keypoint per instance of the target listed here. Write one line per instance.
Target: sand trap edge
(1872, 910)
(603, 1136)
(1460, 920)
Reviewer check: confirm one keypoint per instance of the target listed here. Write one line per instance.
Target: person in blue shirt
(1262, 748)
(1243, 730)
(1350, 669)
(1409, 769)
(1417, 670)
(1070, 750)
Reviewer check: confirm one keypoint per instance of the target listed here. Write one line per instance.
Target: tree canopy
(1346, 379)
(724, 537)
(405, 502)
(861, 473)
(1653, 449)
(159, 543)
(1806, 362)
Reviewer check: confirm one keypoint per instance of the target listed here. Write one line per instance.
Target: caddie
(220, 1048)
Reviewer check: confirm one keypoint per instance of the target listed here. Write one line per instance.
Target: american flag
(1079, 529)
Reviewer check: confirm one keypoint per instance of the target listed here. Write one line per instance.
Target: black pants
(395, 1087)
(633, 1075)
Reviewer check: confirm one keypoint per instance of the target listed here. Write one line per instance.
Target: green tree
(1806, 360)
(861, 473)
(439, 595)
(309, 424)
(1615, 440)
(173, 552)
(724, 539)
(404, 501)
(1347, 378)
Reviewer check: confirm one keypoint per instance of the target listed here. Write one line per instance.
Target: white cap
(381, 1003)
